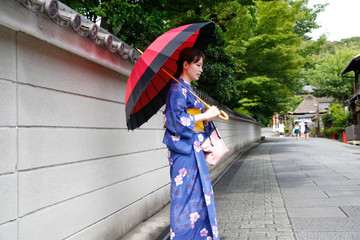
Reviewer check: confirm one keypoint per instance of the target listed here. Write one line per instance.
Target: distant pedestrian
(307, 131)
(297, 130)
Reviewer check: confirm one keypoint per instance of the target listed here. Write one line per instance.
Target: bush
(286, 129)
(335, 121)
(327, 132)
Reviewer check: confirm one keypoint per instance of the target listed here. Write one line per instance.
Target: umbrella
(149, 80)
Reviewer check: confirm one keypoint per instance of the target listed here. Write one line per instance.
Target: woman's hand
(211, 113)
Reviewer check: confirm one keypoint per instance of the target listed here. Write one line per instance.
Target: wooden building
(353, 131)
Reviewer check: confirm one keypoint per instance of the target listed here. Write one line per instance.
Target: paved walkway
(306, 189)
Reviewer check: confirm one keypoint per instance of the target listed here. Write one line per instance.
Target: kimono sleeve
(177, 120)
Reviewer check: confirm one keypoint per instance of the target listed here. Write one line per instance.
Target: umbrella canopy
(147, 85)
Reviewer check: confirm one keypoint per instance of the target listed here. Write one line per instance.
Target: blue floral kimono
(193, 213)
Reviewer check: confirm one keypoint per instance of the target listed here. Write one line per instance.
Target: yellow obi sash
(199, 126)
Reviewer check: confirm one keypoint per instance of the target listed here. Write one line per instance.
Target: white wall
(68, 163)
(69, 168)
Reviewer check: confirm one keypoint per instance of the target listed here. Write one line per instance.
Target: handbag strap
(194, 94)
(216, 130)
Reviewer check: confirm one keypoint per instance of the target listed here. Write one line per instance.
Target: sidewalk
(306, 189)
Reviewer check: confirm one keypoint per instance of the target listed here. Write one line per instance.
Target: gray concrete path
(306, 189)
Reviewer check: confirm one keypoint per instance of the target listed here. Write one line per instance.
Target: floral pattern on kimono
(192, 213)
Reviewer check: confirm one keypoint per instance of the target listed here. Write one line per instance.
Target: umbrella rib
(143, 113)
(164, 80)
(150, 98)
(131, 117)
(136, 119)
(168, 70)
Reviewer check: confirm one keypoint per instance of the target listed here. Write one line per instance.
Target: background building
(353, 104)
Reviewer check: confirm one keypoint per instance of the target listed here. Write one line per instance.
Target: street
(306, 189)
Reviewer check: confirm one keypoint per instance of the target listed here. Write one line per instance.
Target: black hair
(190, 55)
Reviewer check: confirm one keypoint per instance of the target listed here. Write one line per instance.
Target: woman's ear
(185, 65)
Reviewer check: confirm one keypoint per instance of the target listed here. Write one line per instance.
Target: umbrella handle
(223, 116)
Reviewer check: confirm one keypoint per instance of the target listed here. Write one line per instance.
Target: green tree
(254, 59)
(326, 74)
(338, 118)
(307, 18)
(136, 22)
(237, 22)
(272, 59)
(140, 22)
(266, 39)
(267, 97)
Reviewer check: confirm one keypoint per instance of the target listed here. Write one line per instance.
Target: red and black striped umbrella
(148, 85)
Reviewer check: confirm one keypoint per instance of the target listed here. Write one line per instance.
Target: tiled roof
(325, 100)
(352, 65)
(309, 105)
(67, 17)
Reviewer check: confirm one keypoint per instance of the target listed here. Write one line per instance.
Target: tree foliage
(325, 73)
(269, 39)
(255, 59)
(338, 118)
(307, 19)
(136, 22)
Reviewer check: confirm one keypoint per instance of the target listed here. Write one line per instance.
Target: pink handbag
(214, 147)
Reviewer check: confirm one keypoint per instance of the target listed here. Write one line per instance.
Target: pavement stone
(251, 206)
(289, 189)
(316, 212)
(328, 236)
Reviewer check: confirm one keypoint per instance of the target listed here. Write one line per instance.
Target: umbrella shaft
(206, 105)
(223, 115)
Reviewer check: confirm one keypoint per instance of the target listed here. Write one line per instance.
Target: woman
(307, 131)
(192, 213)
(297, 130)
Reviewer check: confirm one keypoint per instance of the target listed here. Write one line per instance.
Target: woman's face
(195, 69)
